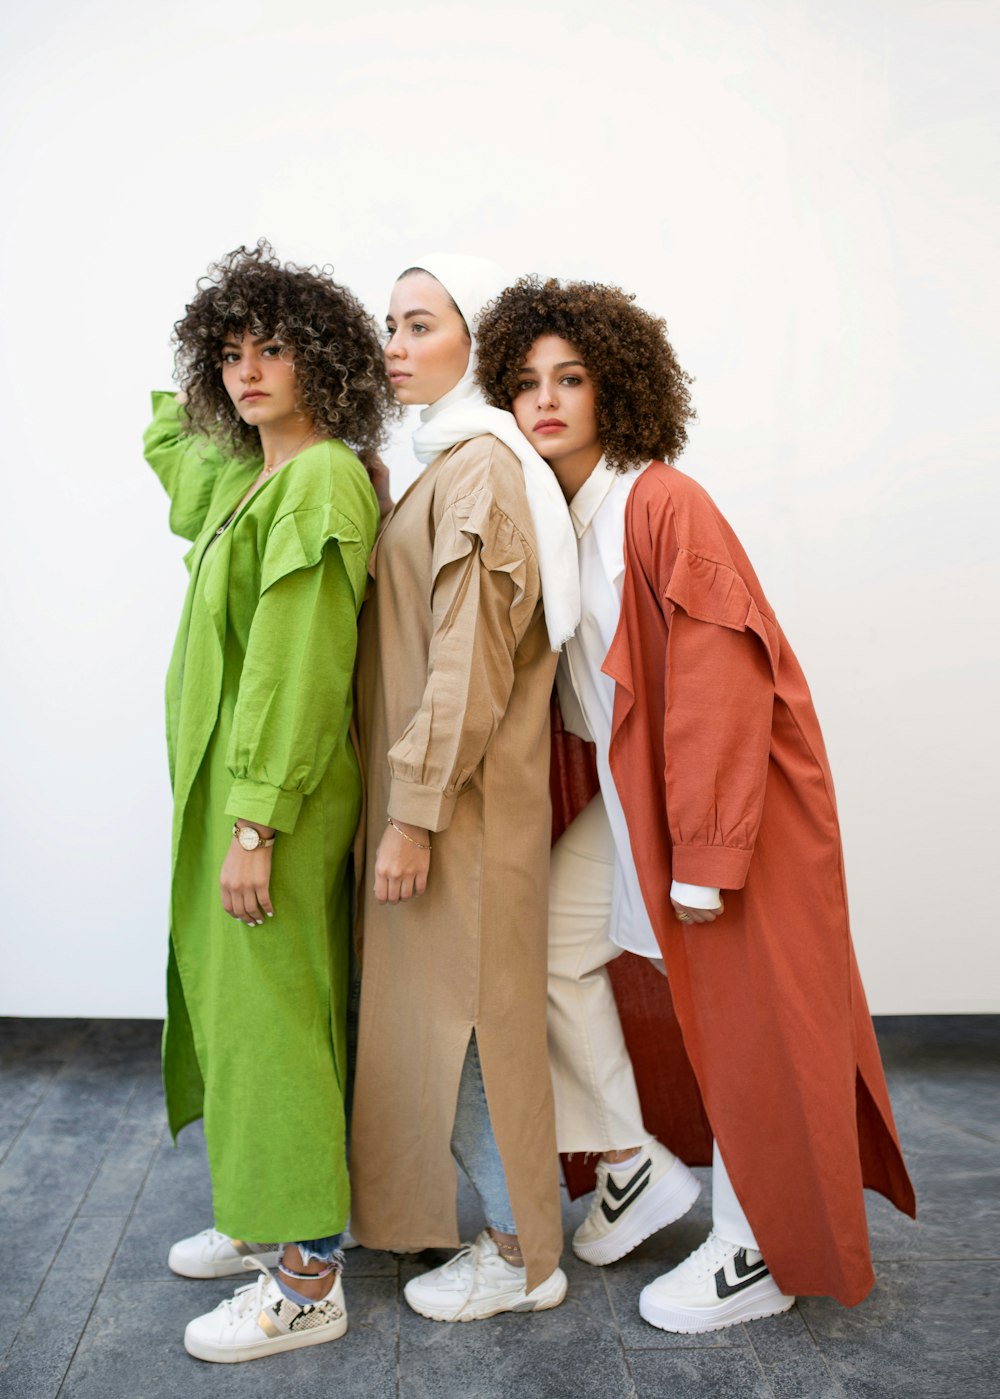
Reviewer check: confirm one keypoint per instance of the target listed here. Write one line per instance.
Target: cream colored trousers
(597, 1104)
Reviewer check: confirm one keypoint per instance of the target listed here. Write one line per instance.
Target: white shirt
(587, 695)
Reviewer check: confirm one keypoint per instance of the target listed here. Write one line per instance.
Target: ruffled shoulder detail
(712, 591)
(308, 519)
(476, 521)
(297, 540)
(685, 539)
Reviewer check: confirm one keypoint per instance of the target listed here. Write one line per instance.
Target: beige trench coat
(454, 679)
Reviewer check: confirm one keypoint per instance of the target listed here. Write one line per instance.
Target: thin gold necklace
(264, 476)
(294, 453)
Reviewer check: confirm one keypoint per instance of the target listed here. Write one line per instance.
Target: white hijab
(463, 413)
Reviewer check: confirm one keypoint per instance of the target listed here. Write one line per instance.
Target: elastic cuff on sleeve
(712, 866)
(267, 805)
(419, 805)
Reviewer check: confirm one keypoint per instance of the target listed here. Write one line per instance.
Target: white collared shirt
(587, 695)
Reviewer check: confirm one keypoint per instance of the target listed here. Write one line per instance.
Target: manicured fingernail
(270, 914)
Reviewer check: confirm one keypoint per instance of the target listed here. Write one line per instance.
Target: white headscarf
(463, 413)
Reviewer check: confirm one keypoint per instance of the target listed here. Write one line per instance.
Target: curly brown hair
(642, 398)
(329, 335)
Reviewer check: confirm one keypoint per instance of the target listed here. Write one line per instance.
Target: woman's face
(259, 380)
(555, 403)
(428, 347)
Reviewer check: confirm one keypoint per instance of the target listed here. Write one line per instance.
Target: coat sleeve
(188, 466)
(294, 703)
(718, 706)
(485, 591)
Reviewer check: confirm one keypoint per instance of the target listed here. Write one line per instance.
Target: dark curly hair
(331, 338)
(642, 398)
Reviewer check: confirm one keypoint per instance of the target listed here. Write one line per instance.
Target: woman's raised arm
(188, 466)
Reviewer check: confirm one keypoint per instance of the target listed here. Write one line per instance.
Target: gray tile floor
(92, 1193)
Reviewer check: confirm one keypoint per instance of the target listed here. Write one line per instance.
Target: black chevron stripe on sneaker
(720, 1284)
(747, 1274)
(629, 1206)
(627, 1193)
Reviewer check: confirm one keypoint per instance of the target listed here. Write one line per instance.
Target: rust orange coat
(765, 1038)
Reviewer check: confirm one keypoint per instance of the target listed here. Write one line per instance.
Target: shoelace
(451, 1268)
(709, 1257)
(249, 1298)
(470, 1250)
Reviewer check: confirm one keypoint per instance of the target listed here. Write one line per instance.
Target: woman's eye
(272, 350)
(523, 385)
(571, 380)
(418, 327)
(230, 357)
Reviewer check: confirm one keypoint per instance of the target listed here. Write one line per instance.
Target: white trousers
(597, 1104)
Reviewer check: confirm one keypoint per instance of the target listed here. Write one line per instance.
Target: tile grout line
(621, 1339)
(819, 1351)
(956, 1126)
(69, 1227)
(757, 1361)
(30, 1117)
(935, 1258)
(834, 1382)
(124, 1230)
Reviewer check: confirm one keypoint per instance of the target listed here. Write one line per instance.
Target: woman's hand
(378, 474)
(402, 861)
(245, 881)
(686, 914)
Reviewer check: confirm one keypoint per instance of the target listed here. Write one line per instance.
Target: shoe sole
(545, 1296)
(647, 1216)
(231, 1355)
(219, 1267)
(690, 1321)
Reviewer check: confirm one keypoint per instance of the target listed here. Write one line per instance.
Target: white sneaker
(477, 1283)
(260, 1320)
(718, 1285)
(630, 1205)
(214, 1255)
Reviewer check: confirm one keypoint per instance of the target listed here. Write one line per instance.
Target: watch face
(248, 837)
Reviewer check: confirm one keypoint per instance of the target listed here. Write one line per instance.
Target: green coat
(258, 713)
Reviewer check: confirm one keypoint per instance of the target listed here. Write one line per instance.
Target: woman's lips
(251, 394)
(549, 425)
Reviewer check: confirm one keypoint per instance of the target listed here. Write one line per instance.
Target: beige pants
(597, 1104)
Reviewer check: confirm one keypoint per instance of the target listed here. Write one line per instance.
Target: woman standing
(455, 671)
(713, 779)
(277, 365)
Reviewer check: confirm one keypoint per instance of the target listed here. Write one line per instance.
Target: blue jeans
(325, 1250)
(474, 1146)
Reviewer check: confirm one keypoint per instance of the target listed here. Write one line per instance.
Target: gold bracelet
(406, 837)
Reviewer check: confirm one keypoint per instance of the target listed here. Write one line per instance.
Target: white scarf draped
(463, 413)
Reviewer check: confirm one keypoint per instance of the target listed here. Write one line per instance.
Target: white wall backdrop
(807, 191)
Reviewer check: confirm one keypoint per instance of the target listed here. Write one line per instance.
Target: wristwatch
(251, 839)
